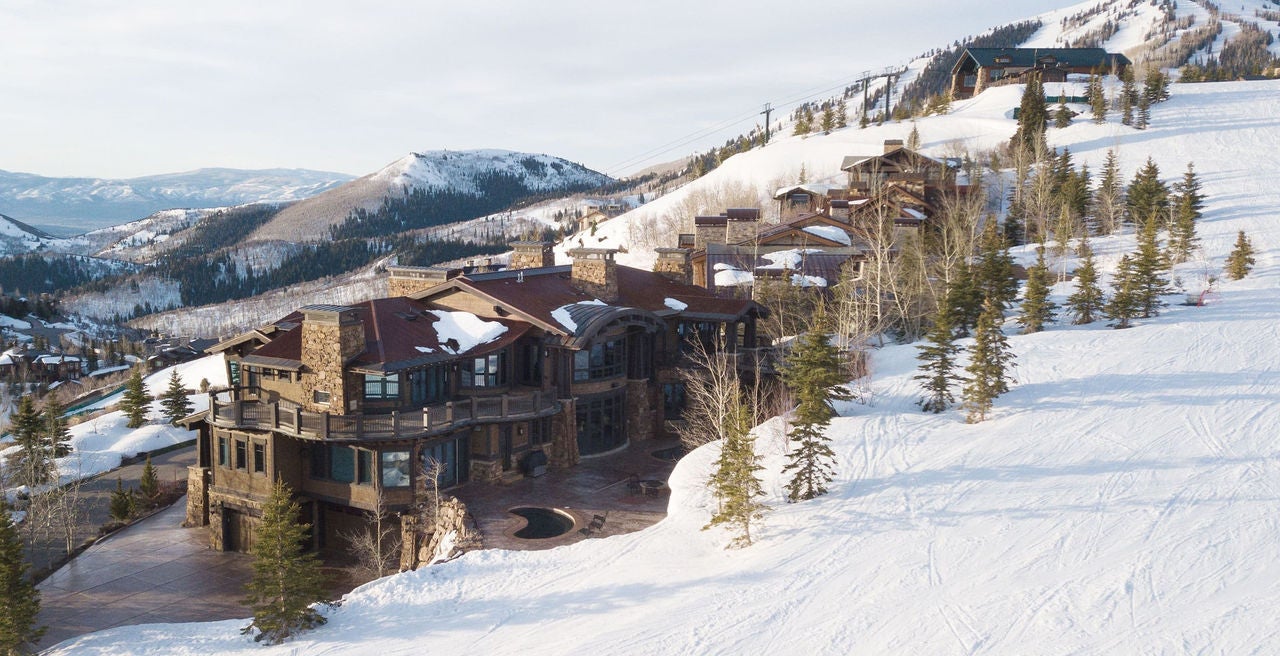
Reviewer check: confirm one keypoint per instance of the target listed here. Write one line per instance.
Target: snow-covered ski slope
(1121, 499)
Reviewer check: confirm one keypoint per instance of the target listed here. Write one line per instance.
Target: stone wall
(595, 273)
(329, 340)
(406, 280)
(563, 450)
(532, 255)
(674, 264)
(640, 410)
(197, 497)
(420, 542)
(740, 231)
(248, 512)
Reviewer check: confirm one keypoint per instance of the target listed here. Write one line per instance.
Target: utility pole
(768, 109)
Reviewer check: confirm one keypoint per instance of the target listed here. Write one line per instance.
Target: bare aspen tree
(376, 544)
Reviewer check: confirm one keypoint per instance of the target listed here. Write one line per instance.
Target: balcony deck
(239, 408)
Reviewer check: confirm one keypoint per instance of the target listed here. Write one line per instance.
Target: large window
(673, 400)
(600, 423)
(395, 469)
(381, 388)
(233, 371)
(692, 332)
(430, 385)
(259, 458)
(486, 371)
(223, 452)
(603, 360)
(342, 464)
(451, 456)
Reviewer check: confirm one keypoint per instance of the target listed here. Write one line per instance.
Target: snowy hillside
(1121, 499)
(454, 170)
(94, 203)
(18, 237)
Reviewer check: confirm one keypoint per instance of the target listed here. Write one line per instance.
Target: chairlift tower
(891, 75)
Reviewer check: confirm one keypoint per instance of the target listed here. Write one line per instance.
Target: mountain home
(490, 375)
(979, 68)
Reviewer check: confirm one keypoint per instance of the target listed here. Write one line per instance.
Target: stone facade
(532, 255)
(224, 508)
(674, 264)
(563, 450)
(641, 412)
(331, 336)
(486, 471)
(197, 496)
(741, 229)
(420, 544)
(406, 280)
(708, 230)
(595, 272)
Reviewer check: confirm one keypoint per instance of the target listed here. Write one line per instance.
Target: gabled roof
(1029, 57)
(815, 188)
(399, 333)
(533, 294)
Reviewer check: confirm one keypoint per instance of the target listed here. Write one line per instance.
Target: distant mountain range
(469, 172)
(89, 203)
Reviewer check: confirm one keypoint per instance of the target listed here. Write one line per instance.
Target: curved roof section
(591, 318)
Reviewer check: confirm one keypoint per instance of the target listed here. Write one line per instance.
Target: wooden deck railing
(231, 408)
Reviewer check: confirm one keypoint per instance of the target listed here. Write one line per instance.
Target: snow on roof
(830, 233)
(675, 304)
(108, 370)
(808, 281)
(913, 213)
(816, 188)
(561, 314)
(468, 330)
(731, 277)
(6, 359)
(57, 359)
(788, 259)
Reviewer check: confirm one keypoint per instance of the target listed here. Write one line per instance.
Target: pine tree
(913, 137)
(149, 483)
(1188, 206)
(33, 465)
(804, 121)
(814, 376)
(989, 362)
(136, 402)
(1143, 117)
(1240, 261)
(57, 436)
(1156, 87)
(1097, 99)
(286, 582)
(1149, 267)
(1147, 195)
(1086, 302)
(1062, 116)
(1124, 305)
(120, 506)
(828, 119)
(21, 599)
(734, 483)
(1128, 96)
(993, 273)
(938, 364)
(842, 114)
(1108, 199)
(1037, 309)
(963, 301)
(1033, 118)
(174, 400)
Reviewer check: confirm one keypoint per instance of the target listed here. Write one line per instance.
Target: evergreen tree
(989, 362)
(1108, 199)
(1128, 96)
(1149, 267)
(1240, 261)
(136, 402)
(993, 274)
(1033, 117)
(804, 121)
(120, 506)
(1124, 304)
(814, 376)
(828, 119)
(913, 138)
(21, 600)
(842, 114)
(1143, 116)
(1097, 99)
(1147, 196)
(1085, 303)
(174, 400)
(1062, 116)
(33, 465)
(1188, 206)
(734, 483)
(1156, 87)
(1037, 309)
(57, 436)
(938, 364)
(286, 582)
(149, 483)
(963, 302)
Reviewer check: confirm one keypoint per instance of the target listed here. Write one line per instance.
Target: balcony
(239, 408)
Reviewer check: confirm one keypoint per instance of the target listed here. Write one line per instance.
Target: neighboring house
(491, 375)
(980, 68)
(167, 355)
(40, 366)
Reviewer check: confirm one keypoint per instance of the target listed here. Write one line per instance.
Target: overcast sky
(119, 89)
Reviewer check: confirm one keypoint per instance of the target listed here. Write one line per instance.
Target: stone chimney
(892, 145)
(741, 225)
(595, 272)
(708, 230)
(332, 335)
(531, 255)
(674, 264)
(840, 209)
(406, 280)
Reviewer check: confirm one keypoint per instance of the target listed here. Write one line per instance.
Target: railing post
(426, 417)
(239, 405)
(448, 412)
(395, 422)
(324, 425)
(297, 420)
(359, 426)
(506, 404)
(475, 412)
(275, 414)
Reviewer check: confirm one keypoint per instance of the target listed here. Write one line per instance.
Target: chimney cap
(593, 253)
